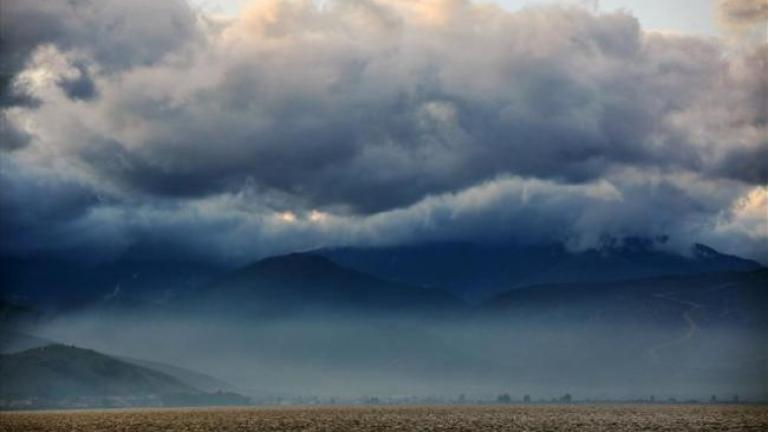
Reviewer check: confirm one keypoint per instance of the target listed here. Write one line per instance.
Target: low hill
(12, 341)
(67, 376)
(59, 371)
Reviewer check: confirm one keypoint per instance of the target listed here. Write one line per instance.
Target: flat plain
(401, 418)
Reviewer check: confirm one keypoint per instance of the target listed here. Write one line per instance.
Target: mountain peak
(295, 267)
(306, 260)
(306, 280)
(704, 251)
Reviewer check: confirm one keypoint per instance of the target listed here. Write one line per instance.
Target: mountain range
(477, 272)
(436, 277)
(399, 277)
(661, 297)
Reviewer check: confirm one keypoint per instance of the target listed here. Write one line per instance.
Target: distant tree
(504, 398)
(653, 398)
(713, 399)
(527, 398)
(566, 398)
(462, 398)
(736, 398)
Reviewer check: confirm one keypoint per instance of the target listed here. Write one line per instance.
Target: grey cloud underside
(340, 127)
(116, 34)
(384, 115)
(743, 12)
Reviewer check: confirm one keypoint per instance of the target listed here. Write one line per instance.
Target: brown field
(441, 418)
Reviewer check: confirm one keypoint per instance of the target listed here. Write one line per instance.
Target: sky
(685, 16)
(235, 131)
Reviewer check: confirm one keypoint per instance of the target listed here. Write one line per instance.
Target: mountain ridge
(305, 280)
(735, 298)
(429, 275)
(476, 272)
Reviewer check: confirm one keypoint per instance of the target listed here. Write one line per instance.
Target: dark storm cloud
(11, 138)
(412, 117)
(41, 208)
(293, 125)
(80, 87)
(750, 166)
(116, 34)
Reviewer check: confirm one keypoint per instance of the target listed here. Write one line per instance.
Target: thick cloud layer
(294, 125)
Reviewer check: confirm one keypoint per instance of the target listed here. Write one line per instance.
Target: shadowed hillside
(67, 376)
(728, 298)
(58, 371)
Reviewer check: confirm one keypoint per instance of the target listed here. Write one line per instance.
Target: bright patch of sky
(684, 16)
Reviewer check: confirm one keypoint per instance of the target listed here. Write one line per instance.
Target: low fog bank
(348, 356)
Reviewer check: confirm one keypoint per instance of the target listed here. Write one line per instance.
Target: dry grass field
(441, 418)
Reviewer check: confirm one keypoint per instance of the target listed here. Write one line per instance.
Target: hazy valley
(315, 327)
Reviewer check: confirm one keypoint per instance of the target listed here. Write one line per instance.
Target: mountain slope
(64, 372)
(192, 378)
(64, 284)
(12, 341)
(477, 272)
(732, 298)
(303, 282)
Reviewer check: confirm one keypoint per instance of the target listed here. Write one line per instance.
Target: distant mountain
(386, 278)
(302, 282)
(67, 376)
(730, 298)
(478, 271)
(61, 284)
